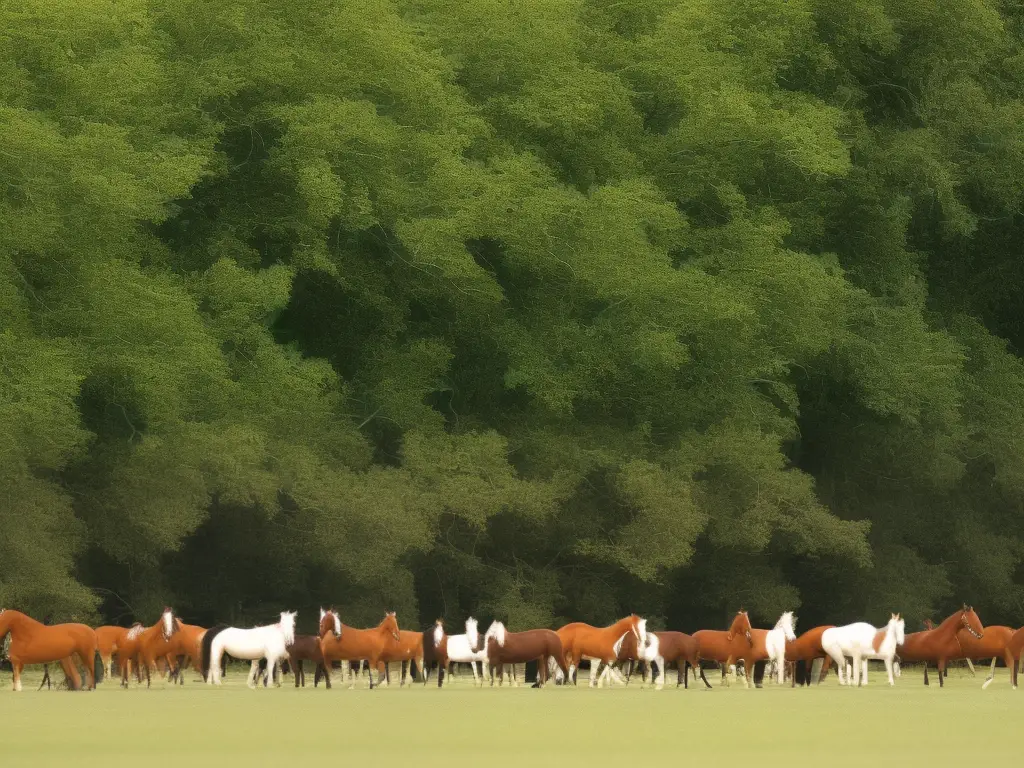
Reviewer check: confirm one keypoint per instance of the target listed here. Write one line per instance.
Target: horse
(862, 641)
(267, 642)
(775, 642)
(154, 646)
(186, 647)
(1014, 647)
(504, 647)
(107, 639)
(340, 641)
(941, 644)
(408, 649)
(35, 643)
(435, 651)
(995, 645)
(467, 649)
(598, 644)
(804, 650)
(729, 646)
(142, 645)
(305, 648)
(664, 648)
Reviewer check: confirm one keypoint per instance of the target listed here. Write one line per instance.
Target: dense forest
(535, 309)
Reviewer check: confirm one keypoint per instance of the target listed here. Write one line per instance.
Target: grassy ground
(197, 725)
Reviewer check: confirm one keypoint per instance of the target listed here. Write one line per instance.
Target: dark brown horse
(939, 645)
(305, 648)
(540, 645)
(729, 646)
(679, 648)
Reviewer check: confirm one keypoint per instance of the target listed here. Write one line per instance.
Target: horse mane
(135, 630)
(438, 633)
(497, 631)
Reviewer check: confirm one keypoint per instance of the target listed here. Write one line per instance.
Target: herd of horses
(170, 646)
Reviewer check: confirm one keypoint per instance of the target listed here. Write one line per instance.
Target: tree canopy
(538, 310)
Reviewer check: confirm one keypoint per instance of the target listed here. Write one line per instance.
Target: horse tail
(98, 668)
(208, 648)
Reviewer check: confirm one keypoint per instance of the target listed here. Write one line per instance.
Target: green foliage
(546, 310)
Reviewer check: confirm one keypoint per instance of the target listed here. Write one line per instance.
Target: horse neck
(737, 627)
(950, 625)
(620, 627)
(16, 621)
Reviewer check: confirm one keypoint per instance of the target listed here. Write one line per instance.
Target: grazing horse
(540, 645)
(107, 639)
(862, 641)
(267, 642)
(729, 646)
(467, 649)
(939, 645)
(598, 644)
(305, 648)
(36, 643)
(804, 650)
(994, 645)
(664, 648)
(341, 642)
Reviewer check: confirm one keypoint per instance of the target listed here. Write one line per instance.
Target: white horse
(269, 642)
(861, 642)
(775, 642)
(467, 649)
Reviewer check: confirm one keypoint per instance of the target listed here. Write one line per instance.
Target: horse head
(472, 634)
(741, 624)
(639, 627)
(438, 632)
(288, 626)
(970, 621)
(329, 622)
(170, 626)
(390, 624)
(497, 631)
(787, 623)
(897, 626)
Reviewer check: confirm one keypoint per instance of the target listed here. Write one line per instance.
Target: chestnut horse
(803, 651)
(107, 639)
(1015, 647)
(408, 649)
(598, 644)
(994, 645)
(729, 646)
(155, 643)
(939, 645)
(540, 645)
(186, 648)
(36, 643)
(342, 642)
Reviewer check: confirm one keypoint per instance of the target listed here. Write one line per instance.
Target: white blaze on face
(168, 619)
(337, 623)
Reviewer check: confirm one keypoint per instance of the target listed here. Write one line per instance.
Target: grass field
(197, 725)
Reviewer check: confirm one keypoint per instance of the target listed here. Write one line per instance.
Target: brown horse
(664, 648)
(804, 650)
(342, 642)
(600, 645)
(408, 649)
(305, 648)
(36, 643)
(540, 645)
(729, 646)
(941, 644)
(186, 648)
(435, 651)
(995, 644)
(141, 645)
(107, 638)
(1015, 647)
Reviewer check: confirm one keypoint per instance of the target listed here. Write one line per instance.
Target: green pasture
(196, 725)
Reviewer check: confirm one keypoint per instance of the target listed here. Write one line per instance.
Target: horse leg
(991, 674)
(16, 667)
(46, 677)
(254, 669)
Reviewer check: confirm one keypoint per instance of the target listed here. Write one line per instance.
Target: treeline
(536, 309)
